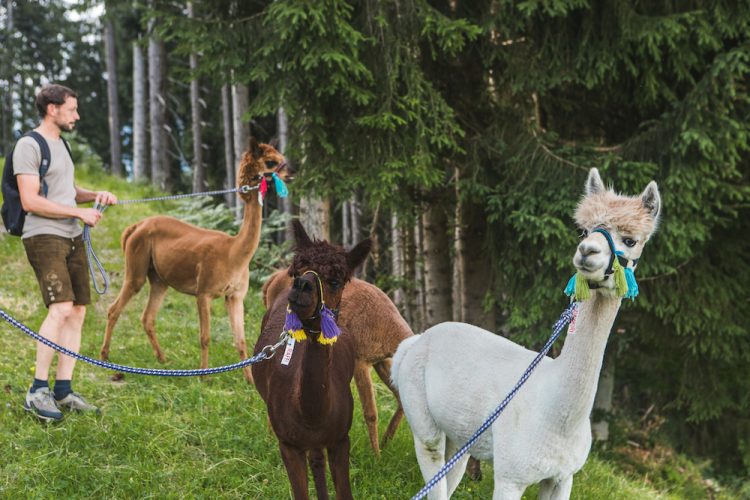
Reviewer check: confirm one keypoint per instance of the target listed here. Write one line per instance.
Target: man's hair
(52, 94)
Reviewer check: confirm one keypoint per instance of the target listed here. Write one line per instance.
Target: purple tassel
(292, 322)
(330, 330)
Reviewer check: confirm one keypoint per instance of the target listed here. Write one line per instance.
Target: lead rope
(91, 254)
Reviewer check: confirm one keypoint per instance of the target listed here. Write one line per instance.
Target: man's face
(65, 115)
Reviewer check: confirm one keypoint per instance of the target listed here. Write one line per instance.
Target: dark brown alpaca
(309, 399)
(200, 262)
(377, 327)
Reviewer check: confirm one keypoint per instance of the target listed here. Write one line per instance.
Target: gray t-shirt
(60, 182)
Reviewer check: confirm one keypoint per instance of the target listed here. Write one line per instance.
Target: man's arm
(32, 201)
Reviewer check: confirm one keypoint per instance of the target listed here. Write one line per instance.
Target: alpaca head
(629, 220)
(320, 271)
(258, 161)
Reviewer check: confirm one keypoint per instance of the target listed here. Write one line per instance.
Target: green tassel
(582, 288)
(621, 282)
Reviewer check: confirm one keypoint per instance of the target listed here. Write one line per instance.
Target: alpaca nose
(587, 249)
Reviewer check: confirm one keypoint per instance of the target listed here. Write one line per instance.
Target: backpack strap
(46, 157)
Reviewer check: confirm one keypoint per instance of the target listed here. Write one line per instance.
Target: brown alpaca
(309, 398)
(377, 327)
(200, 262)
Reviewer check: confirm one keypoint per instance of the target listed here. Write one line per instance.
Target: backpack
(13, 213)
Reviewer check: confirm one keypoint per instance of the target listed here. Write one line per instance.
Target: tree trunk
(420, 312)
(315, 215)
(140, 140)
(285, 204)
(397, 261)
(346, 232)
(355, 217)
(160, 177)
(241, 129)
(410, 274)
(199, 177)
(458, 262)
(226, 114)
(9, 74)
(476, 271)
(113, 100)
(437, 265)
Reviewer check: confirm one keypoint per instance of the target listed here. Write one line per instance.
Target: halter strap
(613, 252)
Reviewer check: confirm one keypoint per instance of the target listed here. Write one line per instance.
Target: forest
(458, 135)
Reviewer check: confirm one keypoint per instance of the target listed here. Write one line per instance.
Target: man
(54, 247)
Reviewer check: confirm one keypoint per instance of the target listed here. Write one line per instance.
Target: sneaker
(42, 404)
(75, 402)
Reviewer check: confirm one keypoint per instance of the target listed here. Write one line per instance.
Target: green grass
(176, 438)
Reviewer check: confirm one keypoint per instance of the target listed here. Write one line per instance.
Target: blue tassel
(329, 329)
(632, 292)
(570, 289)
(281, 190)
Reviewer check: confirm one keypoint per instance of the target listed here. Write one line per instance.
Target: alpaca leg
(296, 470)
(506, 491)
(556, 490)
(317, 461)
(457, 472)
(158, 289)
(474, 470)
(383, 369)
(115, 309)
(431, 457)
(204, 315)
(235, 310)
(367, 398)
(338, 461)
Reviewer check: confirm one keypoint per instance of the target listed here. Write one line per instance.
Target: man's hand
(89, 216)
(105, 198)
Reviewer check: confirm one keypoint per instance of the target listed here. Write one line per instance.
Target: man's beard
(66, 127)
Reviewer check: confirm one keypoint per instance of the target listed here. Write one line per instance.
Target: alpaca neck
(315, 385)
(246, 241)
(576, 372)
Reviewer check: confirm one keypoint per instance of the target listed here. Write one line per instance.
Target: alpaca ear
(254, 148)
(594, 183)
(358, 254)
(651, 199)
(301, 238)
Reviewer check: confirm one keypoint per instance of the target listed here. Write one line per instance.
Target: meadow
(187, 437)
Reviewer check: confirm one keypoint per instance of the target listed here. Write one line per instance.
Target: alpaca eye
(584, 233)
(629, 242)
(334, 284)
(271, 163)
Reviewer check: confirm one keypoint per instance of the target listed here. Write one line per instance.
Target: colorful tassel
(578, 287)
(329, 329)
(281, 190)
(293, 326)
(632, 284)
(621, 282)
(263, 187)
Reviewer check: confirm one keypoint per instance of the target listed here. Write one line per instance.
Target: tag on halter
(572, 325)
(288, 351)
(260, 198)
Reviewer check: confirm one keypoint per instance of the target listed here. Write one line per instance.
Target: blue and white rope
(91, 254)
(565, 318)
(267, 353)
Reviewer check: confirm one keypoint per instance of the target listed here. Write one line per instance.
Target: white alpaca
(454, 375)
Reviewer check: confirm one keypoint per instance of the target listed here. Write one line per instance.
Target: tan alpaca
(200, 262)
(378, 329)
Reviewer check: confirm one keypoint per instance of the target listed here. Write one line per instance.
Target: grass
(183, 438)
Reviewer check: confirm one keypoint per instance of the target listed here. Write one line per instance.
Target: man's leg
(52, 328)
(70, 338)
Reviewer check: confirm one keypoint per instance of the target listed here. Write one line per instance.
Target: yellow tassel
(298, 335)
(325, 341)
(621, 282)
(583, 292)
